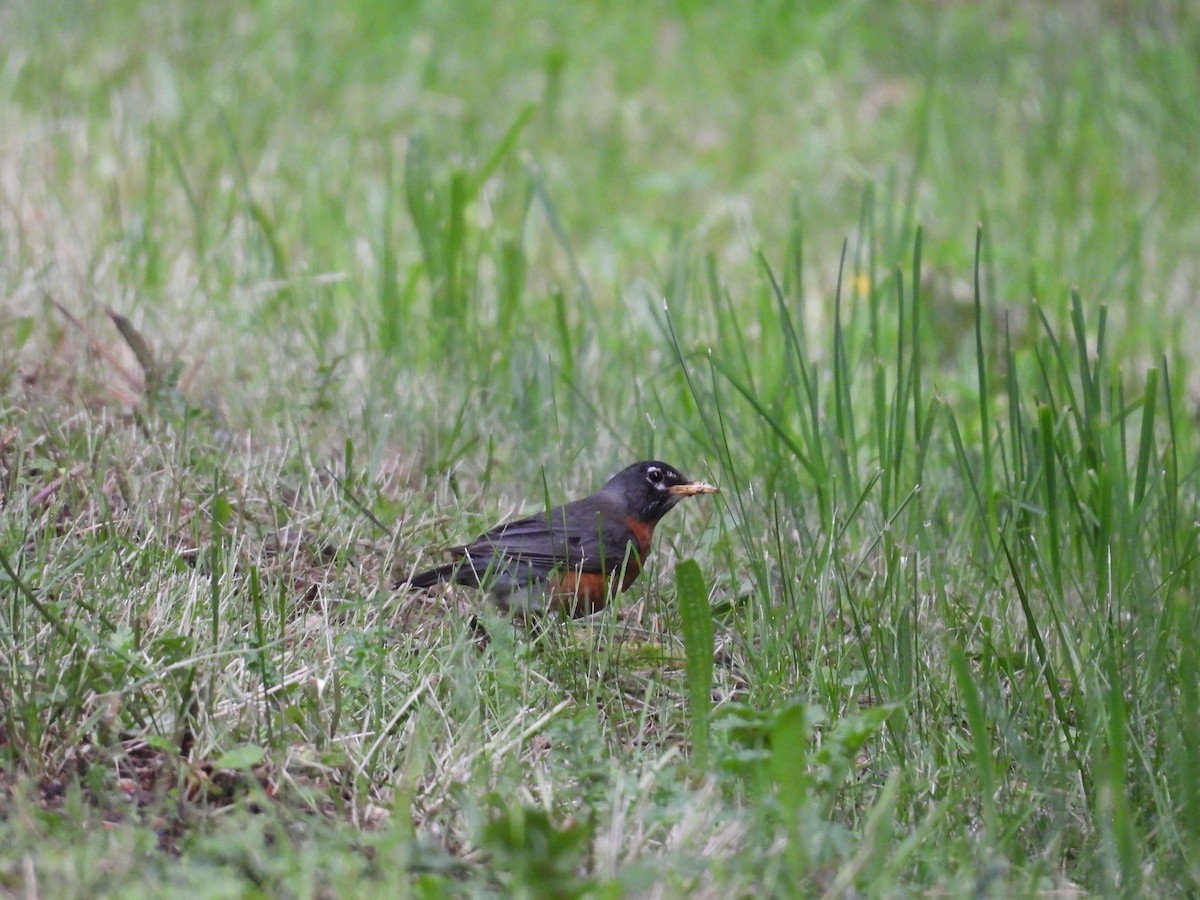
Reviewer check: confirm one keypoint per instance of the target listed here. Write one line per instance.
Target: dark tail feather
(460, 572)
(430, 578)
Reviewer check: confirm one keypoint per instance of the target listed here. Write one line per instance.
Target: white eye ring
(654, 475)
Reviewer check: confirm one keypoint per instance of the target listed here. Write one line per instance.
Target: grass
(296, 296)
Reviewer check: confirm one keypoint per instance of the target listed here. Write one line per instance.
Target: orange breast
(584, 593)
(579, 593)
(642, 535)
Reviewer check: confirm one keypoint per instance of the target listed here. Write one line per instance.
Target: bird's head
(651, 488)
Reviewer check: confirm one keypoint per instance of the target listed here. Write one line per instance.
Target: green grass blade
(980, 737)
(1051, 495)
(767, 416)
(981, 373)
(698, 644)
(1064, 721)
(1145, 454)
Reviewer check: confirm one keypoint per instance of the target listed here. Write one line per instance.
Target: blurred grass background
(472, 256)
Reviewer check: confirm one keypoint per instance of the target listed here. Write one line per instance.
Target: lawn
(293, 296)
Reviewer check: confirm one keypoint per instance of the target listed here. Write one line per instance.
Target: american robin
(572, 557)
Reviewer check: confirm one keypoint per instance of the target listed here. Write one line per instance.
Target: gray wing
(588, 535)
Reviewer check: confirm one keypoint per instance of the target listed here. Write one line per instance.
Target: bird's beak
(693, 487)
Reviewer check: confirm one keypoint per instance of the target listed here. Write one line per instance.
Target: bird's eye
(654, 475)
